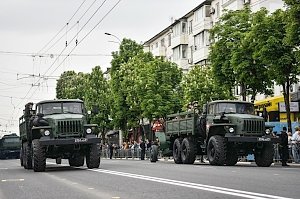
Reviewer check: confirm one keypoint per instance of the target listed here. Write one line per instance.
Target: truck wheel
(39, 156)
(216, 150)
(27, 156)
(93, 157)
(177, 151)
(77, 160)
(231, 156)
(153, 153)
(264, 157)
(188, 151)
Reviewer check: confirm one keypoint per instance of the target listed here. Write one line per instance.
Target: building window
(169, 39)
(176, 53)
(156, 45)
(196, 16)
(184, 51)
(183, 27)
(218, 9)
(162, 42)
(191, 27)
(207, 11)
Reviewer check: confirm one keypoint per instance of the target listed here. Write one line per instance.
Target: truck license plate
(81, 139)
(264, 139)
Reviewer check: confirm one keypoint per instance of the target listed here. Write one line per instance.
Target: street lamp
(109, 34)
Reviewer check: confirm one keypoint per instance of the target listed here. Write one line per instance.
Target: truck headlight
(231, 130)
(268, 131)
(88, 131)
(47, 132)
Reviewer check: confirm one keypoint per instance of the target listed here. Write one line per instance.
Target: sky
(36, 37)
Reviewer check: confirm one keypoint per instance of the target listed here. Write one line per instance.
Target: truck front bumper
(252, 139)
(44, 141)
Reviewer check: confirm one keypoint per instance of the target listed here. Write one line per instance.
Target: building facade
(186, 41)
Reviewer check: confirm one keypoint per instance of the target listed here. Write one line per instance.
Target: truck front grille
(253, 126)
(69, 127)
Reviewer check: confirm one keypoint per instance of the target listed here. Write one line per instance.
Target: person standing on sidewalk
(296, 145)
(143, 149)
(284, 146)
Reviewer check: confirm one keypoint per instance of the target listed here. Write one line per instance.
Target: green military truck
(10, 146)
(224, 131)
(58, 129)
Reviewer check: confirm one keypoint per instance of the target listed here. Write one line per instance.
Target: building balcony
(179, 40)
(200, 54)
(205, 24)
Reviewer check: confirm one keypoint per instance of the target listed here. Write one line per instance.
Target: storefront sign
(294, 107)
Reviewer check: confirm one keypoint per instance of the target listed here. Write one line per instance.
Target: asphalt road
(136, 179)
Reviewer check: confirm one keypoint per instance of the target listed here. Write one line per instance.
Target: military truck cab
(10, 146)
(58, 129)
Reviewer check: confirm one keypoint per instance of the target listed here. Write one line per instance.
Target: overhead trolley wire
(59, 39)
(61, 54)
(61, 28)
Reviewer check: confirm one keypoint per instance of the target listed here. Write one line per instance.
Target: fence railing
(136, 153)
(126, 153)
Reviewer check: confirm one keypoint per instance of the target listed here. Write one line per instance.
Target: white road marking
(90, 188)
(3, 168)
(12, 180)
(222, 190)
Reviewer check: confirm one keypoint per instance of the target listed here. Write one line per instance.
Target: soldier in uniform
(284, 146)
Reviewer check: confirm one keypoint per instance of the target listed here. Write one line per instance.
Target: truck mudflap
(69, 141)
(252, 139)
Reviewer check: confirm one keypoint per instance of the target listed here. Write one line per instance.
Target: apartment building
(186, 41)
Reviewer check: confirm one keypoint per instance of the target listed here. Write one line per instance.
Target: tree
(119, 109)
(158, 88)
(71, 85)
(271, 49)
(199, 85)
(293, 25)
(97, 96)
(231, 55)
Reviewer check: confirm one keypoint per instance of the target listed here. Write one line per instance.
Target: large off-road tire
(264, 157)
(21, 157)
(93, 157)
(216, 150)
(188, 151)
(39, 156)
(177, 151)
(153, 153)
(27, 156)
(231, 156)
(77, 160)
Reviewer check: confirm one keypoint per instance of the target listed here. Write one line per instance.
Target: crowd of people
(131, 149)
(289, 146)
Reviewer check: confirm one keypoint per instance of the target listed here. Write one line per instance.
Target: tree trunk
(286, 95)
(243, 92)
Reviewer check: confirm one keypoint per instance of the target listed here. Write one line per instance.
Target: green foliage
(278, 56)
(231, 55)
(97, 95)
(71, 85)
(199, 85)
(119, 108)
(158, 88)
(293, 26)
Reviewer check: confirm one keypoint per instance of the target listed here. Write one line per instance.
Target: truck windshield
(11, 140)
(242, 108)
(61, 107)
